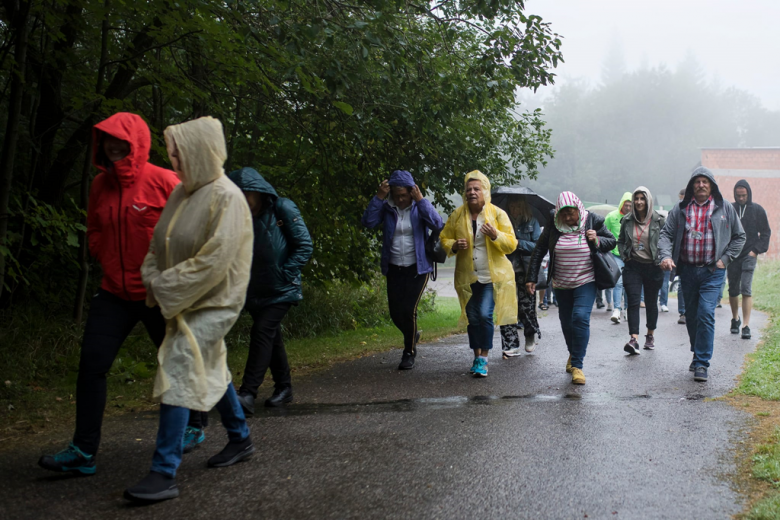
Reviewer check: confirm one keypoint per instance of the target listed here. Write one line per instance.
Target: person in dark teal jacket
(282, 247)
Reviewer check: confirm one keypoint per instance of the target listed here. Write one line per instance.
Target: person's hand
(752, 254)
(459, 244)
(530, 287)
(151, 301)
(720, 265)
(383, 190)
(667, 264)
(415, 193)
(489, 230)
(592, 236)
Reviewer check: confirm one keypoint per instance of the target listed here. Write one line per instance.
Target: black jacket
(754, 222)
(549, 240)
(282, 245)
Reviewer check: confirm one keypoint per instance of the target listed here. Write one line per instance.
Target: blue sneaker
(474, 366)
(68, 460)
(481, 369)
(192, 438)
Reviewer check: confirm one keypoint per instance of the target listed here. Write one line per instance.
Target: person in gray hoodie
(701, 237)
(740, 272)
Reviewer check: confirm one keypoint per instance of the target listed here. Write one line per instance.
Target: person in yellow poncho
(481, 235)
(197, 270)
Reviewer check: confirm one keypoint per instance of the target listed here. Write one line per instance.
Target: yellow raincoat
(197, 268)
(501, 272)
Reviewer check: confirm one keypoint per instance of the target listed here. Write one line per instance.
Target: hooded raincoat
(613, 219)
(502, 273)
(627, 242)
(125, 202)
(198, 268)
(753, 218)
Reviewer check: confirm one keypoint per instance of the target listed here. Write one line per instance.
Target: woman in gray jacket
(638, 247)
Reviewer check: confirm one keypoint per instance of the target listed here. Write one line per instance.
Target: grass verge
(48, 403)
(759, 392)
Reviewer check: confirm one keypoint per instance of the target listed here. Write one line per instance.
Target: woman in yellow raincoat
(197, 271)
(481, 235)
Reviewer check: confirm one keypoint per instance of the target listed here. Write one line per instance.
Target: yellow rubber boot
(577, 377)
(568, 365)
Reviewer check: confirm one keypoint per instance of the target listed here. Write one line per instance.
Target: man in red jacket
(125, 202)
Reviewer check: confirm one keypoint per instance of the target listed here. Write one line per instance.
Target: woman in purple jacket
(406, 217)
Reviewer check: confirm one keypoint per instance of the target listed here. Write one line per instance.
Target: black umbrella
(540, 207)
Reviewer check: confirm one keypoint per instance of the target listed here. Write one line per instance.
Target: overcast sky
(737, 41)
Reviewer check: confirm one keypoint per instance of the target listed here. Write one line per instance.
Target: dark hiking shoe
(681, 320)
(745, 332)
(692, 366)
(280, 397)
(700, 374)
(649, 342)
(407, 361)
(735, 325)
(232, 453)
(192, 438)
(153, 488)
(632, 347)
(599, 305)
(247, 402)
(69, 460)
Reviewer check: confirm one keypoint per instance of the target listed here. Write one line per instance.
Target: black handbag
(605, 268)
(435, 252)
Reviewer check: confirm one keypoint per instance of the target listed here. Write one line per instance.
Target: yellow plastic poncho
(197, 268)
(501, 272)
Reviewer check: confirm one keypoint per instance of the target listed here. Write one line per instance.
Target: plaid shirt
(698, 246)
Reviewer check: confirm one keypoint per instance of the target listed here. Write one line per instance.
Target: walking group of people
(185, 251)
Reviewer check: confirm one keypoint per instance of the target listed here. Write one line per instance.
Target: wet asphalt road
(363, 440)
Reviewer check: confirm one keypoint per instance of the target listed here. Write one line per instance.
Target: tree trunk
(12, 131)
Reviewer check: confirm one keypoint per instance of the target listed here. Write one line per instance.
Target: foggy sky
(737, 42)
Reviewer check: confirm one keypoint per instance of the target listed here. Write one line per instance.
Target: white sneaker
(623, 315)
(512, 352)
(664, 308)
(615, 316)
(530, 343)
(609, 307)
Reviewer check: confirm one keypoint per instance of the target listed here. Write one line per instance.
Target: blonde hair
(525, 209)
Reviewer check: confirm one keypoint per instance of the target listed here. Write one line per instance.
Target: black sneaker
(632, 347)
(681, 320)
(407, 361)
(153, 488)
(746, 332)
(69, 460)
(735, 325)
(232, 453)
(700, 374)
(247, 402)
(280, 397)
(692, 366)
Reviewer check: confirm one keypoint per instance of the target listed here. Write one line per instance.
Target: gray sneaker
(530, 343)
(700, 374)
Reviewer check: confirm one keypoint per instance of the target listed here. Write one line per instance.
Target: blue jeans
(664, 299)
(574, 307)
(618, 293)
(479, 311)
(701, 288)
(173, 422)
(680, 299)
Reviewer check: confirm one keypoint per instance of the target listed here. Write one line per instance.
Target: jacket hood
(127, 127)
(477, 175)
(744, 184)
(248, 179)
(627, 196)
(401, 178)
(649, 197)
(202, 151)
(568, 199)
(701, 171)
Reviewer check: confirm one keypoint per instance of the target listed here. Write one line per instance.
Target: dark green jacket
(282, 245)
(626, 241)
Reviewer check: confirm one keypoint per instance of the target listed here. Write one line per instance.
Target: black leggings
(404, 289)
(638, 275)
(266, 350)
(111, 319)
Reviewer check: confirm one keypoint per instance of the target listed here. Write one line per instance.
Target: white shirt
(480, 254)
(402, 249)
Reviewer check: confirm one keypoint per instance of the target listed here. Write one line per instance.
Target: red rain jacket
(125, 203)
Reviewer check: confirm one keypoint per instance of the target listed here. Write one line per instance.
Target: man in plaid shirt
(701, 237)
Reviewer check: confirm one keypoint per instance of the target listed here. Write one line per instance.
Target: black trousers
(638, 275)
(111, 319)
(404, 289)
(266, 350)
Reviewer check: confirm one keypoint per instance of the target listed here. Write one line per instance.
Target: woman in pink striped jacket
(571, 272)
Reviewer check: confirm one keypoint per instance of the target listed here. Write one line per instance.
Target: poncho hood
(649, 197)
(202, 151)
(568, 199)
(477, 175)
